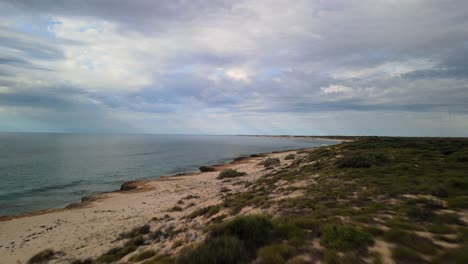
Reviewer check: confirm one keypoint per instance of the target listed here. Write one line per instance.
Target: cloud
(193, 62)
(335, 89)
(238, 74)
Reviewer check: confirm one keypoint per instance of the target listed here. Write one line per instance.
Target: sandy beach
(92, 228)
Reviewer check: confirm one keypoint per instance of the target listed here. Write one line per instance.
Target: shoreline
(139, 185)
(90, 228)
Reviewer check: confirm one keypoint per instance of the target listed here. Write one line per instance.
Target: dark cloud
(145, 16)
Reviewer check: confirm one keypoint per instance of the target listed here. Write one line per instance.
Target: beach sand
(91, 228)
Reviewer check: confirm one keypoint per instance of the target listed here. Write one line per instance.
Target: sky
(303, 67)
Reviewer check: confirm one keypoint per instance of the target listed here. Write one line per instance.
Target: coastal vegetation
(371, 200)
(230, 173)
(269, 162)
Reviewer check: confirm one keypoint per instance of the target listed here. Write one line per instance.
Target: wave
(42, 189)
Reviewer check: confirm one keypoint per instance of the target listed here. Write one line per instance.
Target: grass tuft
(223, 249)
(345, 238)
(270, 162)
(230, 173)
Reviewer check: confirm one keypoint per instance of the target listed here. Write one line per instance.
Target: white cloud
(385, 70)
(239, 74)
(335, 89)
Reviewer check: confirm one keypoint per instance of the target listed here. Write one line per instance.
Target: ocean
(49, 170)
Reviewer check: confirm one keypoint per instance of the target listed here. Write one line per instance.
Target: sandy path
(91, 230)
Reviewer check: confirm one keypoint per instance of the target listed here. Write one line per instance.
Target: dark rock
(127, 186)
(206, 169)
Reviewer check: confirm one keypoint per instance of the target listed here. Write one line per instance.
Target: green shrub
(274, 254)
(136, 231)
(42, 257)
(460, 202)
(401, 224)
(411, 240)
(419, 213)
(117, 253)
(253, 230)
(297, 260)
(361, 161)
(344, 238)
(223, 249)
(269, 162)
(441, 229)
(332, 257)
(460, 156)
(293, 230)
(453, 256)
(460, 184)
(205, 211)
(448, 218)
(406, 255)
(176, 209)
(290, 157)
(230, 173)
(440, 191)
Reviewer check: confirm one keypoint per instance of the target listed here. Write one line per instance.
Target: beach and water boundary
(90, 227)
(50, 171)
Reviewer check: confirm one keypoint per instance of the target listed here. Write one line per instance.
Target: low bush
(269, 162)
(117, 253)
(361, 161)
(460, 156)
(406, 255)
(294, 229)
(401, 224)
(332, 257)
(411, 240)
(297, 260)
(460, 202)
(223, 249)
(344, 238)
(439, 191)
(448, 218)
(441, 229)
(274, 254)
(42, 257)
(205, 211)
(230, 173)
(176, 209)
(290, 157)
(453, 256)
(139, 230)
(253, 230)
(419, 213)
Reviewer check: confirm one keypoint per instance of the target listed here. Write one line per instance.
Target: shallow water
(42, 171)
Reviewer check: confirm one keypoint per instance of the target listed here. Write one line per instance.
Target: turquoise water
(43, 171)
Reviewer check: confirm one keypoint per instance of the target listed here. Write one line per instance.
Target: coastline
(23, 235)
(141, 185)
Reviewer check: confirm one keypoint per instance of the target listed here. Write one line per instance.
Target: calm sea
(42, 171)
